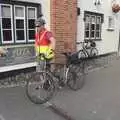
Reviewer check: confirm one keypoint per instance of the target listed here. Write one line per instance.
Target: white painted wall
(45, 9)
(110, 39)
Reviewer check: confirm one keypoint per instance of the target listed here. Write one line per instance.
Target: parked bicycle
(42, 85)
(88, 49)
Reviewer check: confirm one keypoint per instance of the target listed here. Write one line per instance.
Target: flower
(115, 8)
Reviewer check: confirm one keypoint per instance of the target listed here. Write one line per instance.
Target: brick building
(64, 24)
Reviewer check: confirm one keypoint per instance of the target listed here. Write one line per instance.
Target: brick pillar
(64, 25)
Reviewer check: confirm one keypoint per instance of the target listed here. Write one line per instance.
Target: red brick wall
(63, 25)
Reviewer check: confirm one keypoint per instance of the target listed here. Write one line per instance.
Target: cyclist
(44, 41)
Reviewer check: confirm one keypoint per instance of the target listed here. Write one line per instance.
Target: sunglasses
(37, 26)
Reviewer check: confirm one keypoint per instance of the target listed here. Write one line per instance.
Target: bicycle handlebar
(84, 44)
(86, 41)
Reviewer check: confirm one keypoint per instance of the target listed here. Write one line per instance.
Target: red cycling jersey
(45, 38)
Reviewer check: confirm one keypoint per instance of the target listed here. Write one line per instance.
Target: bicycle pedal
(89, 67)
(60, 88)
(37, 88)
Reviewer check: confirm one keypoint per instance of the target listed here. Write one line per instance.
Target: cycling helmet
(39, 22)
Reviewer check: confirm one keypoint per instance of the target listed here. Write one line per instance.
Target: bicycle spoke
(40, 88)
(76, 77)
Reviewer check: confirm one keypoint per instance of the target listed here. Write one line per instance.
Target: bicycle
(88, 49)
(47, 80)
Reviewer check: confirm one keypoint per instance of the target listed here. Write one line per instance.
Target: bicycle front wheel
(81, 54)
(93, 52)
(76, 77)
(40, 87)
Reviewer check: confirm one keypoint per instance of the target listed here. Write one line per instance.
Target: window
(87, 27)
(6, 24)
(31, 16)
(17, 21)
(93, 22)
(111, 23)
(98, 27)
(20, 35)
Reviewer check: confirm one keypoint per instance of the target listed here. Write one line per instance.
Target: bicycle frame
(86, 51)
(63, 73)
(64, 70)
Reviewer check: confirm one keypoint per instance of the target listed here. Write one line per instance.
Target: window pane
(98, 20)
(97, 27)
(7, 35)
(31, 24)
(98, 34)
(6, 23)
(19, 11)
(6, 11)
(20, 34)
(31, 13)
(20, 24)
(93, 19)
(110, 22)
(92, 34)
(31, 34)
(87, 26)
(86, 34)
(93, 27)
(87, 18)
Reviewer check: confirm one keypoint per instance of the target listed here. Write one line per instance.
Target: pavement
(99, 99)
(14, 105)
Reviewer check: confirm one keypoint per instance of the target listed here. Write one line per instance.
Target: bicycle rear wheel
(40, 87)
(76, 76)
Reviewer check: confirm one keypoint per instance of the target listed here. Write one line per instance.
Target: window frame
(111, 23)
(12, 33)
(89, 26)
(92, 38)
(99, 29)
(19, 3)
(20, 18)
(28, 24)
(91, 14)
